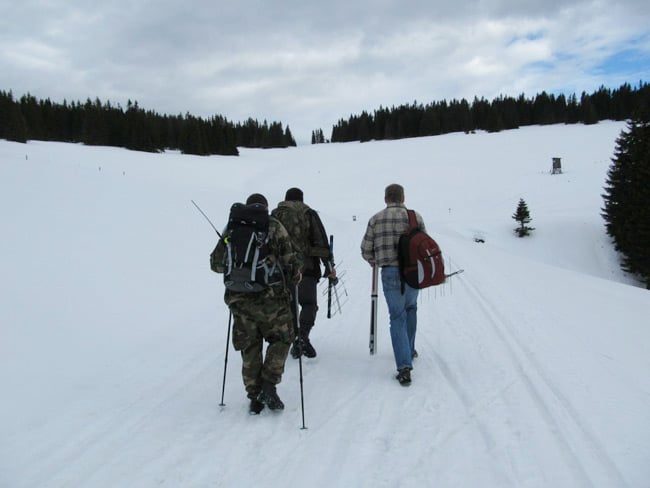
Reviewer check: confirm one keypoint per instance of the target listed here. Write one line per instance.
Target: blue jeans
(403, 311)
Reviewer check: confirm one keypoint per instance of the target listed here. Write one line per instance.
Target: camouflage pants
(258, 317)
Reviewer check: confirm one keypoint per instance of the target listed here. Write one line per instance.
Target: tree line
(102, 123)
(502, 113)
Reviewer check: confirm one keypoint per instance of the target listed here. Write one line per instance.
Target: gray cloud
(309, 64)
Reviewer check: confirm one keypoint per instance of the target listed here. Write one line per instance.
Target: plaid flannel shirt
(379, 245)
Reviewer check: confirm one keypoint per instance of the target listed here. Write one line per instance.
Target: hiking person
(260, 303)
(310, 240)
(380, 248)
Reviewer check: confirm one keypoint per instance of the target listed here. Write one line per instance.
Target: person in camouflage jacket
(310, 240)
(264, 316)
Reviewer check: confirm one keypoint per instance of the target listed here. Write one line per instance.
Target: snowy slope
(533, 367)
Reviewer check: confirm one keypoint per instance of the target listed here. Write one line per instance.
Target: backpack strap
(413, 224)
(413, 221)
(319, 243)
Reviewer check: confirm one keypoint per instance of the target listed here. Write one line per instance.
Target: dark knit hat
(257, 198)
(294, 194)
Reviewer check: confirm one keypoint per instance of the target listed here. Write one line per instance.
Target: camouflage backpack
(293, 216)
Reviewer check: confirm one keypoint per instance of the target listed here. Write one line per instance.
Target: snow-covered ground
(534, 367)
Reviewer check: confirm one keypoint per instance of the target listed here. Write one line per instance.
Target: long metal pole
(302, 397)
(206, 217)
(225, 364)
(372, 343)
(329, 285)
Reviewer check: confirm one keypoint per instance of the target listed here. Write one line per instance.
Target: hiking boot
(255, 407)
(296, 349)
(307, 349)
(302, 347)
(404, 376)
(269, 397)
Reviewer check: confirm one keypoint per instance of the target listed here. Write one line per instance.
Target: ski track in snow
(99, 443)
(562, 420)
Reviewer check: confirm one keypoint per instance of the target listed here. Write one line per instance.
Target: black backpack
(247, 268)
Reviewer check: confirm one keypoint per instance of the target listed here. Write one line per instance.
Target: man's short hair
(294, 194)
(394, 193)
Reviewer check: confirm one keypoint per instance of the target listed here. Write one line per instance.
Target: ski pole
(373, 312)
(302, 397)
(225, 364)
(329, 286)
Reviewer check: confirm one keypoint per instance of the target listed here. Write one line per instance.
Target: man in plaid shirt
(379, 248)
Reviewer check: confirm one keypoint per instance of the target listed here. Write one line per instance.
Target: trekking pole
(302, 397)
(373, 312)
(329, 285)
(225, 364)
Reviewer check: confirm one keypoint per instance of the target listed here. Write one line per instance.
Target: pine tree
(317, 136)
(522, 215)
(627, 197)
(12, 123)
(289, 141)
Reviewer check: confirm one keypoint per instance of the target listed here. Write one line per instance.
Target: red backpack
(420, 259)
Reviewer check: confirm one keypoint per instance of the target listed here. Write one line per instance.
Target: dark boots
(301, 345)
(307, 349)
(255, 407)
(269, 397)
(404, 376)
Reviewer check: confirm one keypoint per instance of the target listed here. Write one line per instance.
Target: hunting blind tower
(557, 166)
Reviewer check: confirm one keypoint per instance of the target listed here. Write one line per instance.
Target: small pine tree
(522, 215)
(317, 136)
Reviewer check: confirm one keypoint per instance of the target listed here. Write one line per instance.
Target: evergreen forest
(104, 124)
(502, 113)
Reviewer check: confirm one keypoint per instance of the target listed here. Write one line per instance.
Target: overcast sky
(309, 64)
